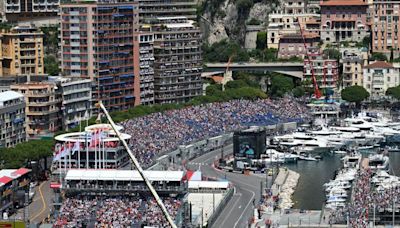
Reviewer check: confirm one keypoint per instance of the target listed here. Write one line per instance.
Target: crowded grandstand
(159, 133)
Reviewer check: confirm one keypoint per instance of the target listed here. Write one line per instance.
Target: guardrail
(213, 218)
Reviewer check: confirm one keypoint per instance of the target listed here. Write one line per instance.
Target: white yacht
(302, 142)
(378, 162)
(352, 161)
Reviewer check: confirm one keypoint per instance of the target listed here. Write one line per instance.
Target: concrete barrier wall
(186, 153)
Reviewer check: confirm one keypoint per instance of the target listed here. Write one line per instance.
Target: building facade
(76, 100)
(17, 10)
(99, 41)
(43, 116)
(146, 41)
(22, 51)
(353, 61)
(344, 20)
(385, 27)
(280, 24)
(12, 119)
(151, 9)
(178, 61)
(326, 71)
(378, 77)
(294, 45)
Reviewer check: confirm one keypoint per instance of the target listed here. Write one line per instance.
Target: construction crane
(137, 166)
(317, 92)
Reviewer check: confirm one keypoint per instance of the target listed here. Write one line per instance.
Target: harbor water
(309, 193)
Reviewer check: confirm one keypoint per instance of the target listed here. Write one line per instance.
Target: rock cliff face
(227, 23)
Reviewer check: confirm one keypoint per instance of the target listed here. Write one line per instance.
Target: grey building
(12, 119)
(76, 100)
(178, 61)
(146, 41)
(149, 10)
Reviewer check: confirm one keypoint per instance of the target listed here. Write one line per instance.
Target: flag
(59, 153)
(76, 147)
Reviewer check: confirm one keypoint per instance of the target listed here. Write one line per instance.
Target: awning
(21, 171)
(127, 76)
(105, 78)
(125, 7)
(5, 179)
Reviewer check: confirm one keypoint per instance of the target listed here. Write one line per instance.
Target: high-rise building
(151, 9)
(146, 40)
(178, 62)
(385, 27)
(76, 100)
(21, 52)
(17, 10)
(344, 20)
(99, 41)
(12, 119)
(42, 110)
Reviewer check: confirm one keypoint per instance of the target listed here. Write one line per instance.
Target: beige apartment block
(21, 51)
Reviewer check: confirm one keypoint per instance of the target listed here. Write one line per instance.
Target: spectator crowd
(364, 200)
(158, 133)
(115, 211)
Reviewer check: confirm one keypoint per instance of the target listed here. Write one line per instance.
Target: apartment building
(151, 9)
(146, 49)
(326, 70)
(280, 24)
(378, 77)
(22, 51)
(12, 119)
(17, 10)
(42, 110)
(178, 62)
(76, 99)
(344, 20)
(353, 61)
(385, 27)
(294, 45)
(99, 41)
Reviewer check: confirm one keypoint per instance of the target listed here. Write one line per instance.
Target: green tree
(235, 84)
(332, 53)
(394, 92)
(280, 85)
(253, 21)
(355, 94)
(223, 50)
(261, 42)
(51, 65)
(50, 38)
(243, 7)
(299, 91)
(377, 56)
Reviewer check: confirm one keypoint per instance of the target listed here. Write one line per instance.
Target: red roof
(379, 64)
(21, 171)
(344, 3)
(5, 179)
(217, 79)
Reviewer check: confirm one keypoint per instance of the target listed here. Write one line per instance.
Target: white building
(76, 95)
(12, 119)
(378, 77)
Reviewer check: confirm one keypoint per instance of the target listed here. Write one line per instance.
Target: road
(40, 206)
(247, 189)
